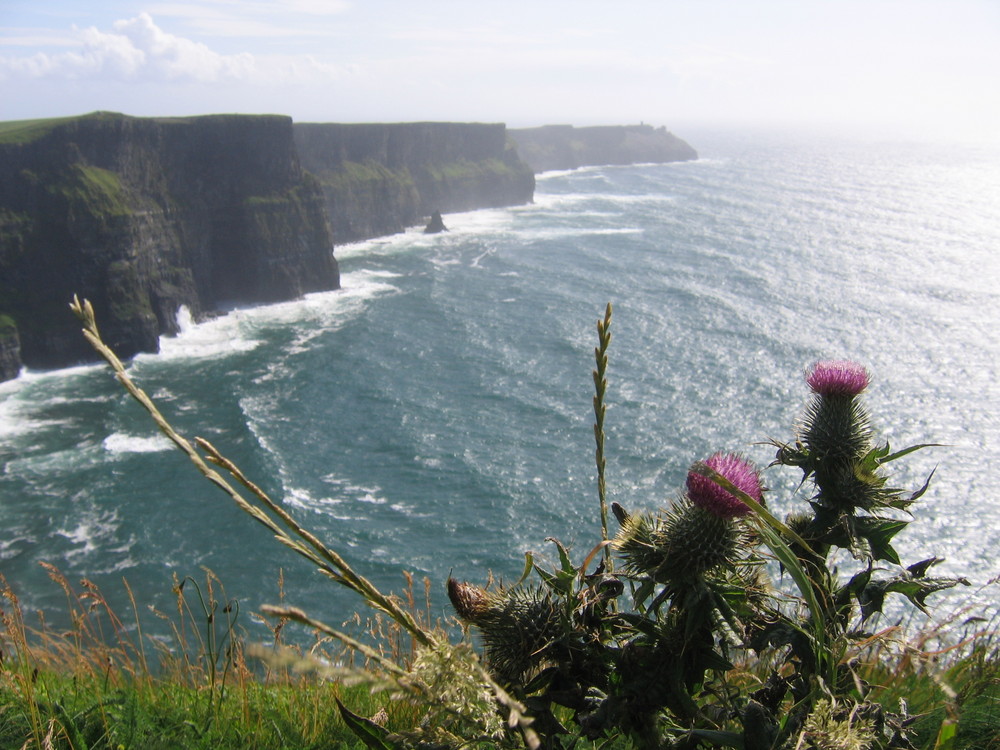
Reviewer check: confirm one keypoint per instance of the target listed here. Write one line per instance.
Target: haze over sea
(435, 414)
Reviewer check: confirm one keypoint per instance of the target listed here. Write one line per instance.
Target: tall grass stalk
(600, 408)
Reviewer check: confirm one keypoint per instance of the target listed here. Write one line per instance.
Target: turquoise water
(435, 414)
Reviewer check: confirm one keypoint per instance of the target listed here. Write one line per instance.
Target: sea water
(435, 414)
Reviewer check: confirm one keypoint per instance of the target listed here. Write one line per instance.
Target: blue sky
(914, 66)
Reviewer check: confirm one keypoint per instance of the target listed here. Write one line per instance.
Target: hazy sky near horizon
(916, 66)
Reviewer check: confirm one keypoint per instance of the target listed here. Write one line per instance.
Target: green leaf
(946, 735)
(548, 578)
(644, 592)
(917, 495)
(367, 731)
(529, 563)
(564, 559)
(919, 570)
(916, 589)
(905, 451)
(879, 533)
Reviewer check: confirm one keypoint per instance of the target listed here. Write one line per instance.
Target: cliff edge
(378, 179)
(566, 147)
(143, 215)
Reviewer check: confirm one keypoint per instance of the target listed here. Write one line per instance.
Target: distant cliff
(144, 215)
(565, 147)
(381, 178)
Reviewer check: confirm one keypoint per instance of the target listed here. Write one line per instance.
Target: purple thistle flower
(837, 378)
(709, 496)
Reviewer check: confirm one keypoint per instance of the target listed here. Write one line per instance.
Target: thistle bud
(680, 544)
(837, 430)
(471, 603)
(836, 425)
(519, 628)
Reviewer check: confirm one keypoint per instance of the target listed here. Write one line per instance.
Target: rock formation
(565, 147)
(436, 224)
(142, 216)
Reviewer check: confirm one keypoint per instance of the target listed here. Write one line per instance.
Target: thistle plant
(648, 647)
(654, 648)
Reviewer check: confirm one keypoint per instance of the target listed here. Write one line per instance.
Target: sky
(916, 67)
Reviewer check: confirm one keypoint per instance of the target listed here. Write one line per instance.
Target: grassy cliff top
(27, 131)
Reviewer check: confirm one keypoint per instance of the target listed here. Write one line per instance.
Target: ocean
(435, 414)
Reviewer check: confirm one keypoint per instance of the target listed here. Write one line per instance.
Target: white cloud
(135, 50)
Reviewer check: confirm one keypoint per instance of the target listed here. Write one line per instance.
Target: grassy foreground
(102, 683)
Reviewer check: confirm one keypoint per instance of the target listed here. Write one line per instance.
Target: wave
(462, 224)
(559, 202)
(244, 329)
(119, 443)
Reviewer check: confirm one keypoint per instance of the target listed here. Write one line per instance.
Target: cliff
(378, 179)
(144, 215)
(565, 147)
(10, 349)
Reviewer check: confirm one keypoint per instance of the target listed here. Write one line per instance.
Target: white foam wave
(346, 502)
(42, 468)
(562, 201)
(13, 546)
(123, 443)
(587, 172)
(240, 329)
(550, 234)
(461, 224)
(26, 398)
(90, 529)
(17, 419)
(215, 337)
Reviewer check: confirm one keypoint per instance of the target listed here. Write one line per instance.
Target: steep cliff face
(144, 215)
(10, 349)
(566, 147)
(380, 178)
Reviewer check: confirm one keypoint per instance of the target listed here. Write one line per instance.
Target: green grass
(27, 131)
(97, 684)
(101, 684)
(351, 176)
(92, 190)
(467, 170)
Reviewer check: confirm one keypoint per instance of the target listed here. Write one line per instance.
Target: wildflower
(837, 429)
(708, 495)
(837, 378)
